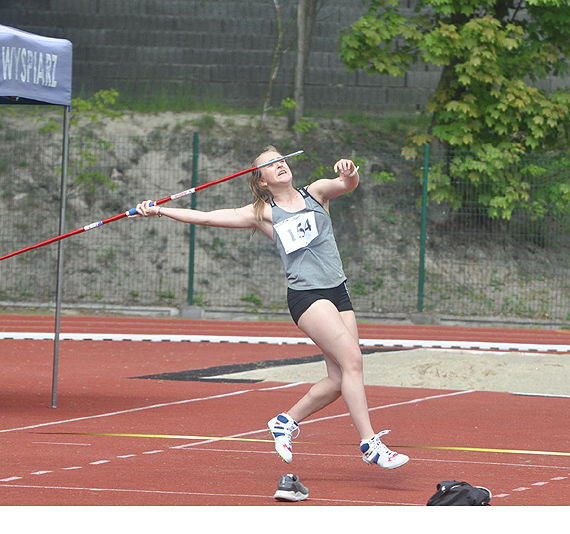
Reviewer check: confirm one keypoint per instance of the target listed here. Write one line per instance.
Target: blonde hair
(261, 195)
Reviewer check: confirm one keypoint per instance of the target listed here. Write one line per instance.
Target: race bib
(297, 232)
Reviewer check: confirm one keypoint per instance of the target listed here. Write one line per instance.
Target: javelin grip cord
(133, 211)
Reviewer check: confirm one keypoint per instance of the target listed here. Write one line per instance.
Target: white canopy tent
(38, 70)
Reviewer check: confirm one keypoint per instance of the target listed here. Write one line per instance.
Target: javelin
(133, 211)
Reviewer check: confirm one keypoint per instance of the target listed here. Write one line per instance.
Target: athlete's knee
(352, 362)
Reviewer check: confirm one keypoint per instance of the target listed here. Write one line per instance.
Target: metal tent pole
(59, 290)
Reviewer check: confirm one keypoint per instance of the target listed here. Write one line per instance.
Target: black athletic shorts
(299, 301)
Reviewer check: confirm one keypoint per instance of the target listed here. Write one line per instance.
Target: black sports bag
(454, 493)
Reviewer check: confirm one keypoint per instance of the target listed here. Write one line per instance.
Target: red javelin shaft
(133, 211)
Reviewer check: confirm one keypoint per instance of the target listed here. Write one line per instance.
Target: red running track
(58, 457)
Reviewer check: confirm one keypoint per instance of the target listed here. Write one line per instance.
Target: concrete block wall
(221, 49)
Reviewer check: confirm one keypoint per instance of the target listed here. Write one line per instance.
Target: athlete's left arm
(325, 189)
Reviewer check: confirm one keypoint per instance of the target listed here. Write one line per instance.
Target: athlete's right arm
(243, 217)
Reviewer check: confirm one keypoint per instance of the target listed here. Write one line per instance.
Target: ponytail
(261, 195)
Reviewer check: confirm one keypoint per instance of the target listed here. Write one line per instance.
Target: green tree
(488, 111)
(89, 178)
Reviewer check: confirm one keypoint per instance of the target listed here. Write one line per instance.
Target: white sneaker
(375, 452)
(282, 428)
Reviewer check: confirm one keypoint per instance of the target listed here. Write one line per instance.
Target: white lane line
(537, 484)
(205, 338)
(142, 408)
(194, 444)
(285, 386)
(53, 443)
(345, 455)
(198, 494)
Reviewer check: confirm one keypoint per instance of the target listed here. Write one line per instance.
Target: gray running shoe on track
(291, 489)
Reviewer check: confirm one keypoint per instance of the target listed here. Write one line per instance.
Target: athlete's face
(275, 173)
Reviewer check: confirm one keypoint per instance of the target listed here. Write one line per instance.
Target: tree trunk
(275, 63)
(306, 11)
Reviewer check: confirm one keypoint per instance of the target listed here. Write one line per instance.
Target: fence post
(423, 237)
(193, 226)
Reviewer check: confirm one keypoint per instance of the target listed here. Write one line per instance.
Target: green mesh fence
(474, 265)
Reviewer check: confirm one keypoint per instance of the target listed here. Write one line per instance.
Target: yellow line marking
(223, 438)
(478, 449)
(169, 436)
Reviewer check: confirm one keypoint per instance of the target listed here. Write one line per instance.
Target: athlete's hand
(145, 210)
(345, 168)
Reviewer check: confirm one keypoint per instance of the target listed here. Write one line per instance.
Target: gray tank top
(307, 246)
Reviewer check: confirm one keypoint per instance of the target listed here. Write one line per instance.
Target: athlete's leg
(321, 394)
(328, 389)
(336, 335)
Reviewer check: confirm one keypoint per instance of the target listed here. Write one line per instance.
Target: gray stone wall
(212, 49)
